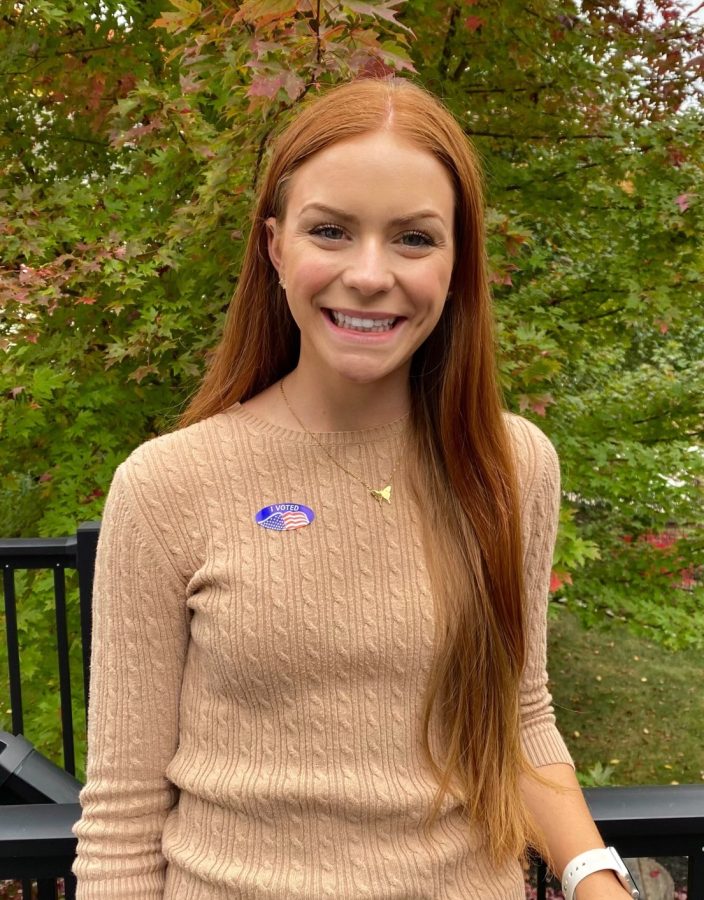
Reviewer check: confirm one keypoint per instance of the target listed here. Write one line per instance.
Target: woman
(319, 650)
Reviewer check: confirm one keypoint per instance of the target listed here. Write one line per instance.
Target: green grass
(624, 701)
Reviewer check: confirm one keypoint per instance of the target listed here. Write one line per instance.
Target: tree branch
(318, 44)
(540, 137)
(610, 312)
(446, 52)
(78, 140)
(111, 46)
(553, 176)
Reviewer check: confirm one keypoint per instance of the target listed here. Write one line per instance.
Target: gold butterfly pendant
(383, 494)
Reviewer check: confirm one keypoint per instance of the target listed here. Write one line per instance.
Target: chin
(361, 375)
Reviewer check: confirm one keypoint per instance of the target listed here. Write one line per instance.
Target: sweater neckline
(362, 436)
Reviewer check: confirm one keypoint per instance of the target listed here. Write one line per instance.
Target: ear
(273, 237)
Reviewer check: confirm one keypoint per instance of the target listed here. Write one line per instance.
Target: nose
(368, 270)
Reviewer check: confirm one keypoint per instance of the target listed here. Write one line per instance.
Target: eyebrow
(348, 217)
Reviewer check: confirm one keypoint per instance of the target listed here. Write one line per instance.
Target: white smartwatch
(594, 861)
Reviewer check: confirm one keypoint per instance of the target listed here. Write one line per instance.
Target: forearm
(568, 828)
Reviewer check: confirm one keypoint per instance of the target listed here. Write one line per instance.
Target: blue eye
(426, 240)
(320, 229)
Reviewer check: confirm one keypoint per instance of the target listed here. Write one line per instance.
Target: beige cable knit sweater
(254, 726)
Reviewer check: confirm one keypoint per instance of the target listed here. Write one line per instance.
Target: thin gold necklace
(378, 495)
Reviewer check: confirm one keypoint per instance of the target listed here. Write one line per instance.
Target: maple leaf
(373, 67)
(473, 23)
(383, 11)
(177, 22)
(539, 405)
(269, 86)
(558, 578)
(683, 202)
(141, 372)
(188, 84)
(262, 12)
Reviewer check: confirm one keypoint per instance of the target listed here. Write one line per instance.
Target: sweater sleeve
(140, 638)
(542, 742)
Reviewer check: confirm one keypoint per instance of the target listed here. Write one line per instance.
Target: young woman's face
(366, 253)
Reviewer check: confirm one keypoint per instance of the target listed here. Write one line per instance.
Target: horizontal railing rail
(657, 820)
(36, 840)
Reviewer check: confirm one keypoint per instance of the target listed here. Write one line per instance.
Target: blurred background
(132, 140)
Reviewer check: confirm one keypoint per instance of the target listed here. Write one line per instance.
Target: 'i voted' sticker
(284, 516)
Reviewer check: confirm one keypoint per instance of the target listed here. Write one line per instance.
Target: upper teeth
(344, 321)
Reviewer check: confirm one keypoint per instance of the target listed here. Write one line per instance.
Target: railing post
(695, 874)
(13, 648)
(86, 548)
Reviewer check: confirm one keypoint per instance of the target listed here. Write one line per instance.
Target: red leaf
(676, 156)
(539, 405)
(126, 82)
(93, 495)
(660, 541)
(189, 85)
(373, 67)
(89, 301)
(473, 23)
(558, 578)
(32, 338)
(263, 86)
(683, 202)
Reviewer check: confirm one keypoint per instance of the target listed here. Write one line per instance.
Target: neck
(336, 404)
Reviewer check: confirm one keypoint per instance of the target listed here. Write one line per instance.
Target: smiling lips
(366, 322)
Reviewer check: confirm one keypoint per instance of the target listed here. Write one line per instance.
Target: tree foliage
(132, 137)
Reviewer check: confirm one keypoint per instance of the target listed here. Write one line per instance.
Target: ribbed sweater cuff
(136, 887)
(545, 746)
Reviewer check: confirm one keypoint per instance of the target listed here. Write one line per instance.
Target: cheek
(429, 288)
(312, 274)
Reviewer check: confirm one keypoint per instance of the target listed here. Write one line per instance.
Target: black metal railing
(57, 554)
(36, 841)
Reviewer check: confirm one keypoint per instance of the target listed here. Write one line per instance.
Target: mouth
(365, 323)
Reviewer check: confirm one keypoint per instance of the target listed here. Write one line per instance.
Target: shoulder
(536, 460)
(161, 485)
(167, 476)
(183, 457)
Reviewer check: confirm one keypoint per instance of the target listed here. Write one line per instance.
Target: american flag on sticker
(284, 516)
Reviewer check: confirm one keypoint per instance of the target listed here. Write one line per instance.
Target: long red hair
(461, 466)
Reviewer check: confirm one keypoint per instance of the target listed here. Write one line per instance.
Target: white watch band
(583, 865)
